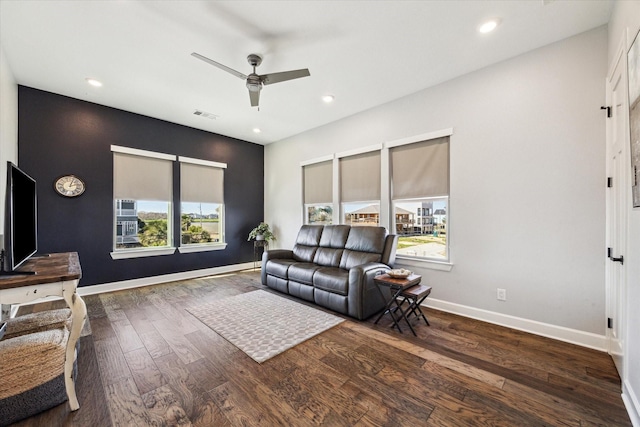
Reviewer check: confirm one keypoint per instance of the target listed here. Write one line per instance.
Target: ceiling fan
(255, 81)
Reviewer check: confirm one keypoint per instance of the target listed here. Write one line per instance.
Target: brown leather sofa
(333, 266)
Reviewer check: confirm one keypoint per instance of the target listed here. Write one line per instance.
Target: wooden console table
(57, 275)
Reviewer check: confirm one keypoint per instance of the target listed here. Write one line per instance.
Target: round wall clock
(69, 186)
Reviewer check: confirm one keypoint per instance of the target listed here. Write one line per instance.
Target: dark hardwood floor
(149, 362)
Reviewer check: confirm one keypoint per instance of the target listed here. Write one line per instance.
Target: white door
(617, 169)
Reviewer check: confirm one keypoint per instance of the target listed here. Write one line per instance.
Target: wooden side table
(415, 295)
(397, 286)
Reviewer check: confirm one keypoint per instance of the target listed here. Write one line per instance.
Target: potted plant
(262, 232)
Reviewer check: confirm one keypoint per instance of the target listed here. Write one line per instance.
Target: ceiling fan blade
(254, 97)
(268, 79)
(219, 65)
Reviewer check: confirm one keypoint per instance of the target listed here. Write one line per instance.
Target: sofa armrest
(277, 253)
(273, 254)
(364, 296)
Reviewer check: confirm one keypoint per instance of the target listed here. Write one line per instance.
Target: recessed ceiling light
(489, 26)
(256, 130)
(93, 82)
(328, 98)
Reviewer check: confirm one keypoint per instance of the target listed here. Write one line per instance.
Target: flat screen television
(21, 219)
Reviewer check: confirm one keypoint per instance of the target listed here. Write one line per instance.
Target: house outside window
(355, 214)
(127, 223)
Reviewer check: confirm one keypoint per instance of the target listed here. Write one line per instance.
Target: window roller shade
(318, 183)
(420, 169)
(201, 184)
(360, 177)
(142, 178)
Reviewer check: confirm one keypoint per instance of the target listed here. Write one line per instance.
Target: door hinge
(609, 323)
(620, 259)
(609, 182)
(608, 110)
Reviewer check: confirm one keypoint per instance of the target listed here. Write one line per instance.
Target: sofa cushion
(279, 267)
(352, 259)
(328, 257)
(302, 253)
(300, 290)
(307, 242)
(366, 239)
(334, 236)
(278, 283)
(309, 235)
(302, 272)
(331, 279)
(333, 301)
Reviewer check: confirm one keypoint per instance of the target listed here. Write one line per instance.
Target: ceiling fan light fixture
(489, 26)
(328, 99)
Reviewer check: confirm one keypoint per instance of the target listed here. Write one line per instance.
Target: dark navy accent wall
(58, 135)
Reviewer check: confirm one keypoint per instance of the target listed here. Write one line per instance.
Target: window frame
(144, 251)
(392, 201)
(208, 246)
(334, 184)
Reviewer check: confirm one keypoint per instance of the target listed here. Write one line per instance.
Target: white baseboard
(631, 402)
(165, 278)
(573, 336)
(585, 339)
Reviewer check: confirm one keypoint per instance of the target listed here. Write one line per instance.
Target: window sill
(424, 263)
(202, 248)
(141, 253)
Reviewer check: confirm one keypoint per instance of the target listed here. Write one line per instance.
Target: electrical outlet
(502, 294)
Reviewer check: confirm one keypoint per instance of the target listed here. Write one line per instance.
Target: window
(360, 189)
(142, 185)
(402, 185)
(420, 197)
(318, 192)
(201, 205)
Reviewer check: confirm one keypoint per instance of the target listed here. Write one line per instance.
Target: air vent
(210, 116)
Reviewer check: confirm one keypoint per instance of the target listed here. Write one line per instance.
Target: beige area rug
(262, 324)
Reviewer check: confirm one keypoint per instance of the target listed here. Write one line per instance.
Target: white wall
(8, 127)
(625, 23)
(527, 206)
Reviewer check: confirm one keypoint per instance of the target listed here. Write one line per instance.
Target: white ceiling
(366, 53)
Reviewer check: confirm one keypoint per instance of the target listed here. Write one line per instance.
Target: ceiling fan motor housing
(254, 84)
